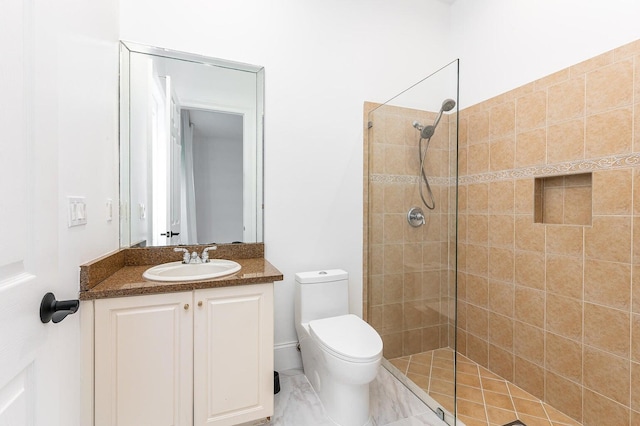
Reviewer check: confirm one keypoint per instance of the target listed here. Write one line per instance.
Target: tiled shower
(548, 238)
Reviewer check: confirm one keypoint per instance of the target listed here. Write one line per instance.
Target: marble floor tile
(392, 403)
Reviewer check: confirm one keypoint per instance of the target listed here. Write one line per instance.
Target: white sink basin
(178, 271)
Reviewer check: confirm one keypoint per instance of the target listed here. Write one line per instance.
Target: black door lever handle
(56, 310)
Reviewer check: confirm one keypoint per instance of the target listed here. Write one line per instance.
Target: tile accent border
(570, 167)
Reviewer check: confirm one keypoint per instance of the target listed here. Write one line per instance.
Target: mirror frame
(125, 205)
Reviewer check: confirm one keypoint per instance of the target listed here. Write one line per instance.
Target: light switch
(77, 211)
(109, 208)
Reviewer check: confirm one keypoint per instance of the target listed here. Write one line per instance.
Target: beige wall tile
(577, 206)
(599, 410)
(530, 269)
(609, 133)
(567, 240)
(529, 306)
(477, 197)
(477, 290)
(635, 390)
(529, 236)
(553, 205)
(501, 331)
(566, 100)
(501, 296)
(565, 141)
(501, 230)
(564, 275)
(392, 288)
(610, 87)
(552, 79)
(564, 317)
(564, 357)
(592, 64)
(393, 228)
(528, 342)
(501, 264)
(478, 321)
(477, 228)
(478, 127)
(478, 158)
(392, 345)
(612, 192)
(502, 120)
(607, 329)
(502, 154)
(394, 161)
(529, 377)
(524, 196)
(608, 283)
(501, 195)
(392, 262)
(500, 362)
(607, 374)
(564, 395)
(531, 148)
(635, 338)
(394, 195)
(531, 111)
(478, 349)
(609, 239)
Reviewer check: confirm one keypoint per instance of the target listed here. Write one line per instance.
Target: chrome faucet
(205, 253)
(193, 257)
(186, 258)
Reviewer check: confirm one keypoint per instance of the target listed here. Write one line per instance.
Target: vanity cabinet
(203, 357)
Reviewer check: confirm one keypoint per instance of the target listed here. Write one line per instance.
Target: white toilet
(340, 352)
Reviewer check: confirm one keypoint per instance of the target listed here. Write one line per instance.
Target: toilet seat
(347, 337)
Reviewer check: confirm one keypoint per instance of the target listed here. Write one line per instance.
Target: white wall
(503, 44)
(78, 83)
(322, 61)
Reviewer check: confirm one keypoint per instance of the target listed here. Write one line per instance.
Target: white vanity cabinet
(203, 357)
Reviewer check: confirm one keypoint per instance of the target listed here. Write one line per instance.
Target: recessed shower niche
(564, 200)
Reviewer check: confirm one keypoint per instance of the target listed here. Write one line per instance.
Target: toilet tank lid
(322, 276)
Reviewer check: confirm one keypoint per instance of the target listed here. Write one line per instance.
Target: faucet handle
(205, 253)
(185, 257)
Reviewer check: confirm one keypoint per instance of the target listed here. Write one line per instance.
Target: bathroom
(322, 62)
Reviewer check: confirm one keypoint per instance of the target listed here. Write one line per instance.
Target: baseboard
(286, 356)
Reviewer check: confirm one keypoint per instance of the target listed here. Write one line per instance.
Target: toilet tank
(321, 294)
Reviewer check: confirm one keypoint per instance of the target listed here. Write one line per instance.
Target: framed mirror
(191, 143)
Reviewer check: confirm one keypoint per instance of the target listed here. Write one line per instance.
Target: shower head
(427, 131)
(447, 105)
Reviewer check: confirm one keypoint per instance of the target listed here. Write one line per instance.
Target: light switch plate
(77, 211)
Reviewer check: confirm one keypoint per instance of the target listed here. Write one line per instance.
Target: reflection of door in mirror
(165, 151)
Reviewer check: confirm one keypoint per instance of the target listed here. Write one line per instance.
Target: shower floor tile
(483, 398)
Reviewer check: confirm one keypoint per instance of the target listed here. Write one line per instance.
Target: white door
(30, 380)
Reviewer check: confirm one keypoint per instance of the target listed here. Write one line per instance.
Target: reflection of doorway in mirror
(158, 148)
(213, 171)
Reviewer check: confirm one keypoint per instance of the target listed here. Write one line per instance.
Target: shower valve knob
(415, 217)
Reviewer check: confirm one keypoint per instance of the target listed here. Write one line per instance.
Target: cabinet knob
(186, 306)
(200, 303)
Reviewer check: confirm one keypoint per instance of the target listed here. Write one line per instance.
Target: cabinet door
(233, 354)
(144, 360)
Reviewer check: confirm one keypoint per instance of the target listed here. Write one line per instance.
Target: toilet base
(346, 405)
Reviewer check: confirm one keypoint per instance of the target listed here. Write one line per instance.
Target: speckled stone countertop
(120, 273)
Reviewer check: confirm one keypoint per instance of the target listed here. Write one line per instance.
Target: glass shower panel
(410, 238)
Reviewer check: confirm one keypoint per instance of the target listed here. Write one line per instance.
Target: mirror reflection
(191, 148)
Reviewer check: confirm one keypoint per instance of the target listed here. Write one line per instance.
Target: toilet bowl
(341, 353)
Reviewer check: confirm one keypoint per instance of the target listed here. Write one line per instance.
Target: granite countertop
(120, 273)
